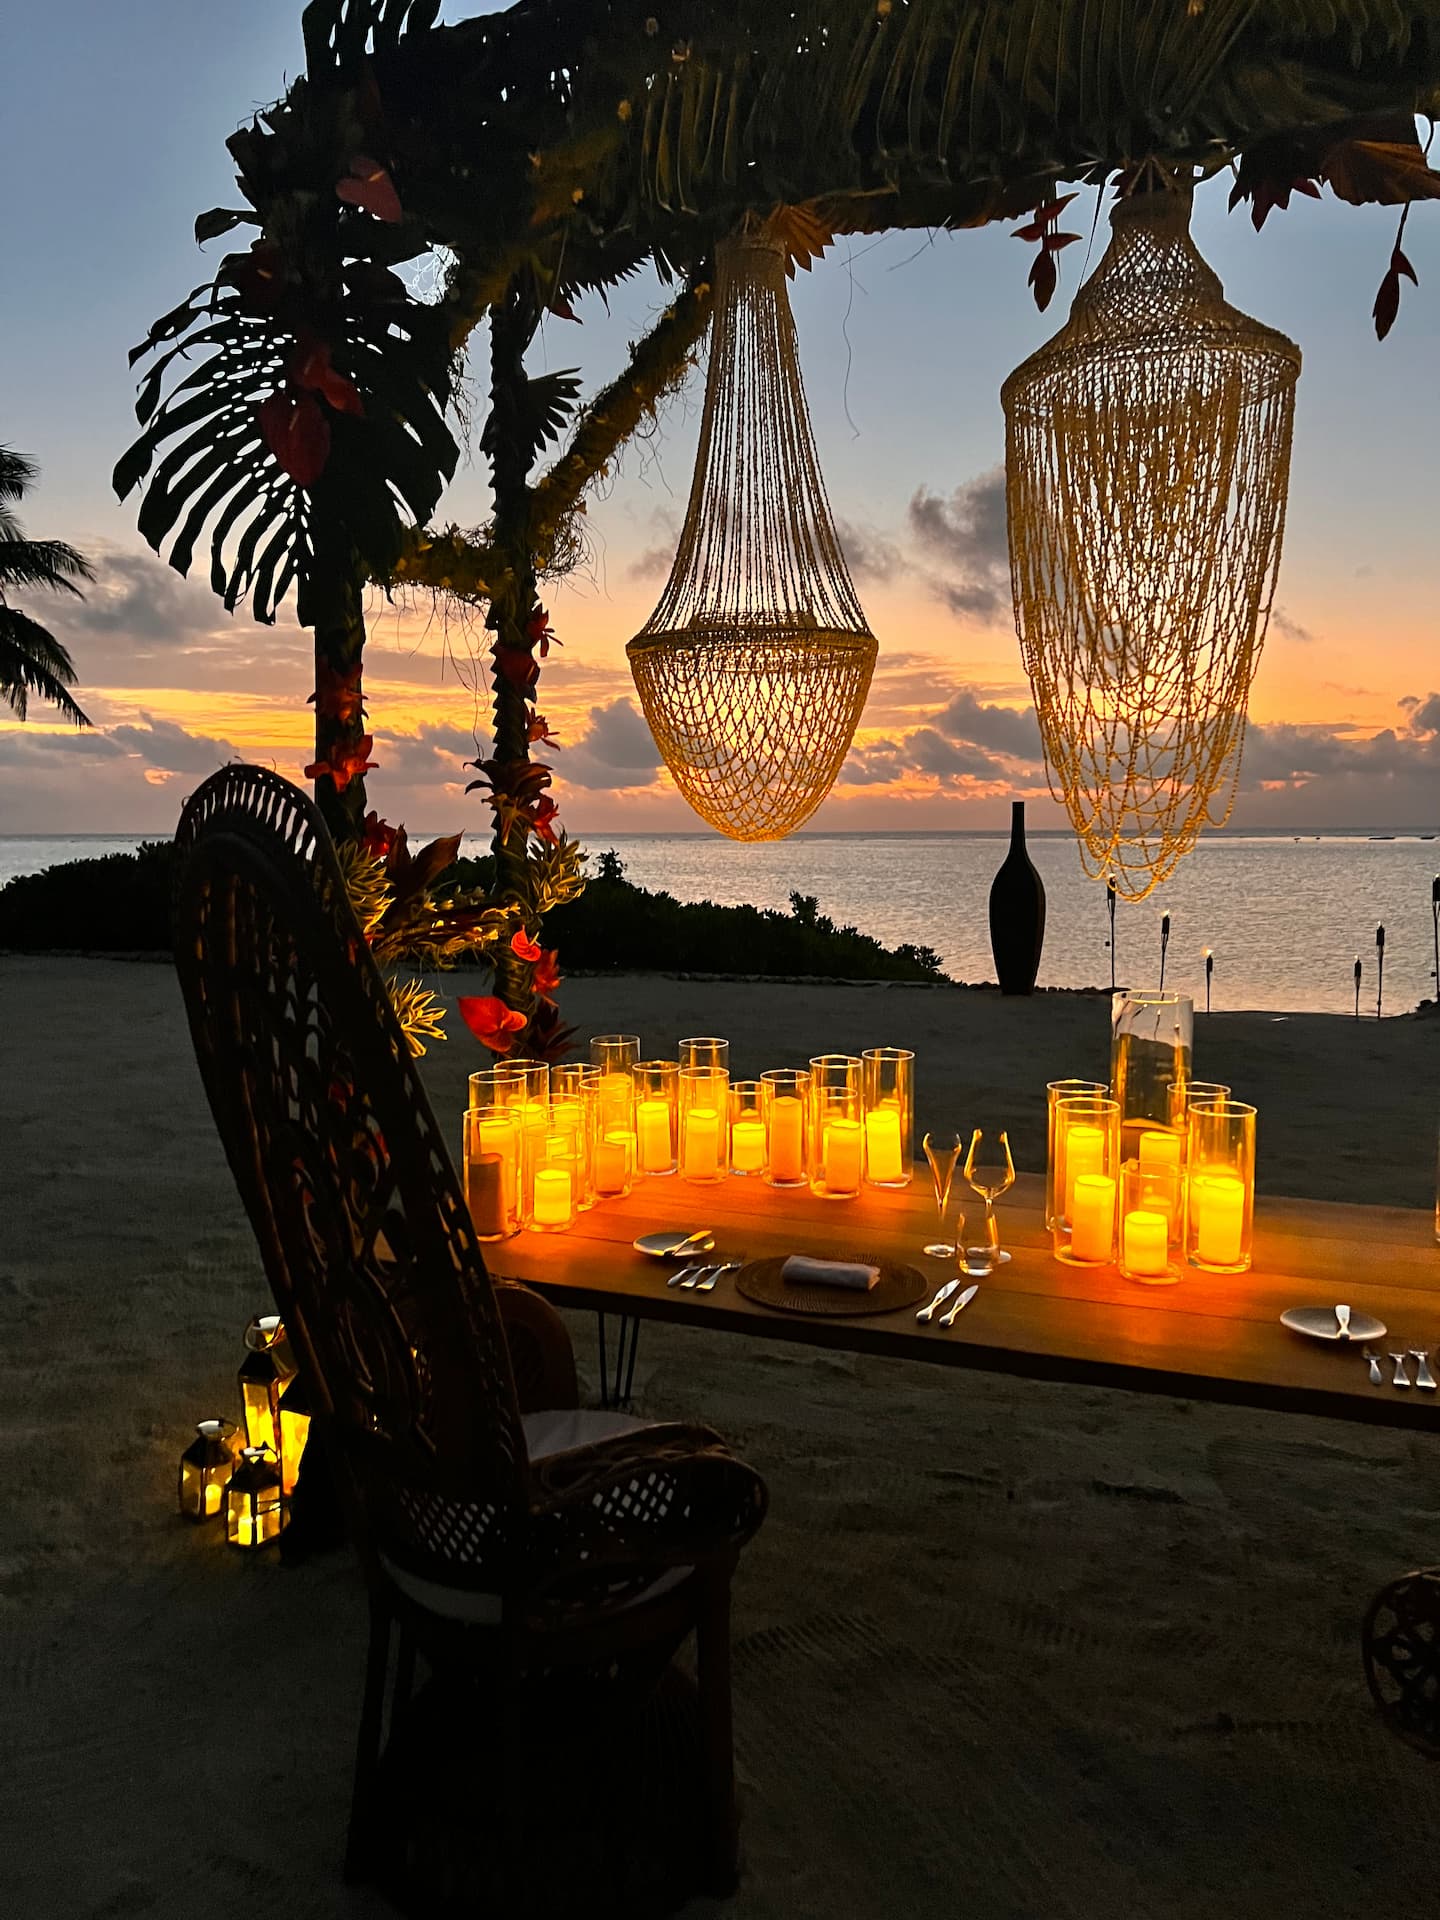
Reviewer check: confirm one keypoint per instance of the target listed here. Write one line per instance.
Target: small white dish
(1319, 1323)
(666, 1246)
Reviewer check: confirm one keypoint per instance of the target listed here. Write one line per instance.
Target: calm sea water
(1285, 918)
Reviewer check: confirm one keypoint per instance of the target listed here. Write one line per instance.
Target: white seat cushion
(555, 1431)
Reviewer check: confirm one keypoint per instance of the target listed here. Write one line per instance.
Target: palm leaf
(32, 660)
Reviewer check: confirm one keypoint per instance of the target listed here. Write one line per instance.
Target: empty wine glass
(942, 1150)
(991, 1172)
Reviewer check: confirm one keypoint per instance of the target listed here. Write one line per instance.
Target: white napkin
(801, 1271)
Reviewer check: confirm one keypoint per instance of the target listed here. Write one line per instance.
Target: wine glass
(942, 1150)
(991, 1172)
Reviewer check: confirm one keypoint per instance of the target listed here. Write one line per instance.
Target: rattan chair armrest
(541, 1355)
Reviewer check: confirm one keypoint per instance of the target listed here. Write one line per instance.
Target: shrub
(117, 904)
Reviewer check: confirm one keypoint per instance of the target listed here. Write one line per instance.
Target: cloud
(24, 746)
(868, 553)
(168, 749)
(966, 533)
(1424, 714)
(654, 562)
(615, 750)
(1008, 730)
(137, 596)
(1285, 624)
(433, 756)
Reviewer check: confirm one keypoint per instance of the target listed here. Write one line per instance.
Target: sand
(1004, 1648)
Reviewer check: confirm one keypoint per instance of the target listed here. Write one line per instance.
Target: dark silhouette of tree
(32, 660)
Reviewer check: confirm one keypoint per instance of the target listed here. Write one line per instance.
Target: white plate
(665, 1246)
(1319, 1323)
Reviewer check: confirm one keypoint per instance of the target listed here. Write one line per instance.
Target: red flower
(346, 766)
(547, 971)
(377, 836)
(493, 1024)
(523, 947)
(368, 185)
(298, 434)
(310, 370)
(337, 695)
(540, 730)
(520, 668)
(258, 275)
(540, 816)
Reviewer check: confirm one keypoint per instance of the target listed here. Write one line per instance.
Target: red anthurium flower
(520, 668)
(311, 370)
(523, 947)
(369, 186)
(540, 816)
(493, 1024)
(547, 971)
(298, 434)
(346, 766)
(258, 276)
(377, 836)
(337, 695)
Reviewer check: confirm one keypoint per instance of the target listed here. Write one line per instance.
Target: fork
(704, 1281)
(685, 1276)
(1423, 1376)
(1377, 1378)
(1402, 1379)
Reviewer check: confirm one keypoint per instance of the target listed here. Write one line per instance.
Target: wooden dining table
(1208, 1336)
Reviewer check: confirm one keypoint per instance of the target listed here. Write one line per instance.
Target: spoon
(1342, 1320)
(1402, 1379)
(1423, 1376)
(1377, 1378)
(927, 1314)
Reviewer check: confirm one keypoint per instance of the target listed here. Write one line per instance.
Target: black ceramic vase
(1017, 913)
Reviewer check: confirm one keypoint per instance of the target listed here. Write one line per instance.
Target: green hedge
(121, 904)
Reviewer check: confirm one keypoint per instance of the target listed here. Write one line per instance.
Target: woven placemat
(760, 1280)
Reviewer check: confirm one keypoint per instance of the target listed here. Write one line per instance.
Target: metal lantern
(1147, 467)
(254, 1502)
(205, 1469)
(267, 1366)
(294, 1431)
(754, 667)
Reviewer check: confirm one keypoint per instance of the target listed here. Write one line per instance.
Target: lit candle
(1219, 1219)
(882, 1146)
(747, 1145)
(617, 1093)
(554, 1196)
(652, 1124)
(486, 1193)
(702, 1144)
(1145, 1244)
(1084, 1154)
(1092, 1217)
(787, 1139)
(1159, 1150)
(842, 1156)
(214, 1492)
(614, 1157)
(498, 1139)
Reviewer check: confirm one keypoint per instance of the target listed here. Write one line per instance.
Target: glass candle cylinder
(705, 1052)
(493, 1086)
(254, 1504)
(1183, 1098)
(205, 1469)
(837, 1161)
(656, 1093)
(615, 1055)
(1220, 1214)
(553, 1206)
(263, 1373)
(613, 1167)
(494, 1147)
(1151, 1045)
(1087, 1150)
(887, 1091)
(747, 1130)
(578, 1081)
(785, 1109)
(1152, 1218)
(704, 1124)
(1055, 1092)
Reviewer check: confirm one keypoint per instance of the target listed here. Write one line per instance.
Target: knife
(964, 1300)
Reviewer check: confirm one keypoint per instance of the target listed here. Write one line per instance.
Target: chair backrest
(363, 1228)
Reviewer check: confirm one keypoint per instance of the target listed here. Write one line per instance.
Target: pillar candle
(787, 1138)
(617, 1093)
(214, 1494)
(1145, 1244)
(1092, 1217)
(747, 1145)
(486, 1194)
(882, 1145)
(554, 1196)
(614, 1156)
(842, 1155)
(702, 1144)
(1084, 1154)
(499, 1138)
(652, 1123)
(1159, 1150)
(1219, 1218)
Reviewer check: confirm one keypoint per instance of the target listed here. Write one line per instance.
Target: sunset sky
(905, 343)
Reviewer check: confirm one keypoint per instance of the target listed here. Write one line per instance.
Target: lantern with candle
(837, 1133)
(1220, 1215)
(747, 1130)
(887, 1091)
(1152, 1219)
(254, 1503)
(785, 1109)
(656, 1095)
(492, 1160)
(295, 1413)
(1151, 1046)
(704, 1124)
(205, 1469)
(267, 1365)
(1055, 1092)
(1086, 1177)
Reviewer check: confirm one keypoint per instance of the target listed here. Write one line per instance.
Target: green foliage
(117, 904)
(32, 660)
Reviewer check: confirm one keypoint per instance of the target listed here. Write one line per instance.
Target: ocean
(1286, 918)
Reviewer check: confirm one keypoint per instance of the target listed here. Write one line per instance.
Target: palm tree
(32, 660)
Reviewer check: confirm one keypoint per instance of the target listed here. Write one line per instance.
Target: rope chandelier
(1147, 466)
(754, 667)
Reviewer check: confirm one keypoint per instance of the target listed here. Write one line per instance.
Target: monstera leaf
(276, 419)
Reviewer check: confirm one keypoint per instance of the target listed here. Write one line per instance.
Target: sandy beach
(1023, 1648)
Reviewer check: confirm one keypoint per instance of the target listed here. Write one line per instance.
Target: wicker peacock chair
(567, 1549)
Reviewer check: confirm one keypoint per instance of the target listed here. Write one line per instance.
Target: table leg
(616, 1387)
